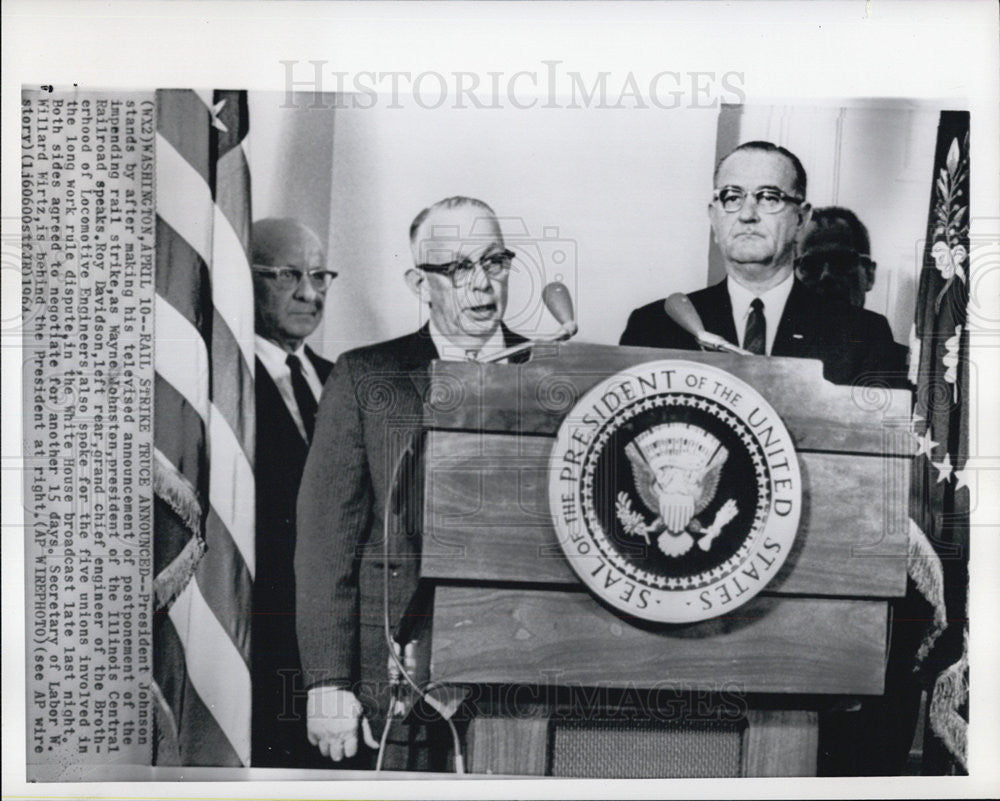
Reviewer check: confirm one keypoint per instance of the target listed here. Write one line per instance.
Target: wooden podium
(512, 622)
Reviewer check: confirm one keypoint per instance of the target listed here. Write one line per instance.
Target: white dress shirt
(273, 358)
(774, 306)
(450, 352)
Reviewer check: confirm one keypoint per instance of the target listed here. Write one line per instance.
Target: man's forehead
(290, 245)
(450, 234)
(755, 168)
(461, 222)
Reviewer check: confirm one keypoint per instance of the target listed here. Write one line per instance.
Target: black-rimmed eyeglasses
(769, 200)
(290, 277)
(495, 265)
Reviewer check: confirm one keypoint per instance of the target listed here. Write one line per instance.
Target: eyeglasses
(289, 277)
(837, 262)
(495, 265)
(769, 200)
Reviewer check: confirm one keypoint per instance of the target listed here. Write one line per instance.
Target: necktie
(303, 395)
(755, 334)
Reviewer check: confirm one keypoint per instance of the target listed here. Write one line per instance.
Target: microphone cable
(390, 642)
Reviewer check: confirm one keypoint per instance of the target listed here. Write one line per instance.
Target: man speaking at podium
(758, 211)
(370, 412)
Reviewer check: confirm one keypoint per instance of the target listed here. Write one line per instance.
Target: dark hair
(770, 147)
(830, 224)
(447, 203)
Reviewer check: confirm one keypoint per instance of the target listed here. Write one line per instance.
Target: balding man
(290, 281)
(758, 212)
(370, 411)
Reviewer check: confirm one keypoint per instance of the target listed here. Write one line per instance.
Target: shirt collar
(774, 298)
(273, 357)
(450, 352)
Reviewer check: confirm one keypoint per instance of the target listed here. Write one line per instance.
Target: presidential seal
(675, 491)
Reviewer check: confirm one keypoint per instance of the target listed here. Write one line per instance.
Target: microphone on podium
(556, 298)
(680, 309)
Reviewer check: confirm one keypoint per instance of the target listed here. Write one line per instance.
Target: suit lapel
(418, 352)
(716, 312)
(321, 365)
(272, 405)
(794, 334)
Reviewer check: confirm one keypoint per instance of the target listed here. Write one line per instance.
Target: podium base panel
(616, 750)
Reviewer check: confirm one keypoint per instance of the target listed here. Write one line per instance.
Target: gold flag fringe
(924, 566)
(178, 493)
(951, 691)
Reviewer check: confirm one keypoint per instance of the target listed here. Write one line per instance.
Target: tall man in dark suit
(290, 281)
(758, 211)
(370, 412)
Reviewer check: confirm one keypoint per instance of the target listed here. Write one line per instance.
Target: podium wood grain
(534, 398)
(486, 517)
(769, 645)
(780, 742)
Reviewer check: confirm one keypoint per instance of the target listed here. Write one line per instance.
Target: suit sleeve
(631, 334)
(334, 516)
(884, 360)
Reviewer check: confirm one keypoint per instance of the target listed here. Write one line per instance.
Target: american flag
(939, 368)
(204, 430)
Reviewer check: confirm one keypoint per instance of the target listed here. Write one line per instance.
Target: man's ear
(805, 215)
(416, 280)
(870, 276)
(711, 223)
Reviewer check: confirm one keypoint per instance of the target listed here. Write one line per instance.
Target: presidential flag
(204, 430)
(939, 369)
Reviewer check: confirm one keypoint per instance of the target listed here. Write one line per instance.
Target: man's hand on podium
(332, 716)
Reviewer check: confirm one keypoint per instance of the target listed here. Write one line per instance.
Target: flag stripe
(181, 356)
(229, 600)
(231, 475)
(232, 172)
(218, 674)
(232, 287)
(182, 122)
(180, 439)
(183, 199)
(232, 385)
(186, 285)
(205, 743)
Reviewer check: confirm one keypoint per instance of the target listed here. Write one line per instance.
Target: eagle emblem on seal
(676, 468)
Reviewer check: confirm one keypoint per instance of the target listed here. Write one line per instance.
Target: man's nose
(749, 212)
(480, 280)
(305, 290)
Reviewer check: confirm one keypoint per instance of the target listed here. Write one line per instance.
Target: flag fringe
(951, 691)
(924, 567)
(178, 493)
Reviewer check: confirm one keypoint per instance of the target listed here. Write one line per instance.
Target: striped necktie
(755, 335)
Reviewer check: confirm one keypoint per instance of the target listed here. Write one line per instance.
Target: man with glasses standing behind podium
(758, 211)
(370, 413)
(290, 282)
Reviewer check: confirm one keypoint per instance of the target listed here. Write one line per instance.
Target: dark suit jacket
(372, 407)
(278, 737)
(855, 345)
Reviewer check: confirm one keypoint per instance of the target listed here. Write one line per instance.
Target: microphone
(680, 309)
(556, 298)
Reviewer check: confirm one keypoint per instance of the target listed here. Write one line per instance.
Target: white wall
(620, 196)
